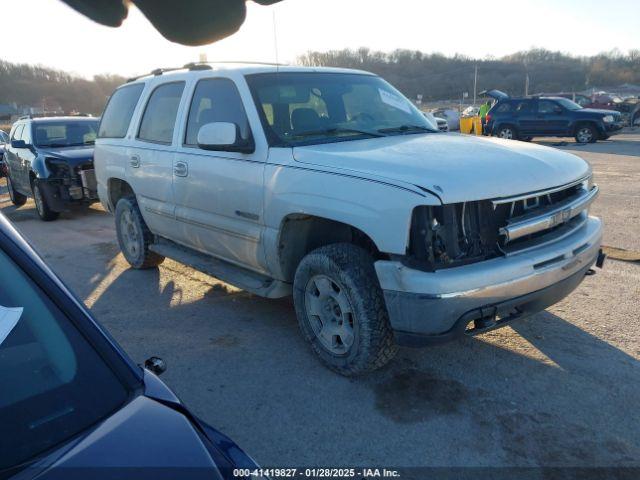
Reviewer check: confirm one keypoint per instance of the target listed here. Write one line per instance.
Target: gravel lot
(559, 389)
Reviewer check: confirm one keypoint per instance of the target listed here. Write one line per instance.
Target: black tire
(42, 206)
(16, 198)
(508, 132)
(134, 237)
(526, 139)
(352, 276)
(586, 133)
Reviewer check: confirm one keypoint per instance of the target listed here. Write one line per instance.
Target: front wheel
(16, 198)
(341, 310)
(42, 206)
(586, 134)
(134, 237)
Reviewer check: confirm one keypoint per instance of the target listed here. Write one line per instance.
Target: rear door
(151, 154)
(526, 120)
(219, 194)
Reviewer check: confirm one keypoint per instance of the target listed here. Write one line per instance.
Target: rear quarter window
(119, 110)
(503, 108)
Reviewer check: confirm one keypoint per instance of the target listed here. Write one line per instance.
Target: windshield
(309, 108)
(53, 384)
(4, 138)
(65, 133)
(569, 104)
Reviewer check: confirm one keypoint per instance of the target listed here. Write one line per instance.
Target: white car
(329, 185)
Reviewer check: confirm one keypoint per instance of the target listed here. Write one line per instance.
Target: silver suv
(330, 185)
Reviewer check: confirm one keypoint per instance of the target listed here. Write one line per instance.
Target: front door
(12, 159)
(150, 157)
(555, 118)
(219, 194)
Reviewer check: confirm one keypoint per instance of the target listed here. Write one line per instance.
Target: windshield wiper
(54, 145)
(331, 130)
(407, 128)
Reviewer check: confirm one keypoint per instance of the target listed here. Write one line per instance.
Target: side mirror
(223, 136)
(155, 365)
(18, 144)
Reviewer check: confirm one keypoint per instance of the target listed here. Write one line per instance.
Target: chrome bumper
(433, 303)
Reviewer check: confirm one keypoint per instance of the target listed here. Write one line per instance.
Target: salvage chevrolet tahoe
(51, 159)
(329, 185)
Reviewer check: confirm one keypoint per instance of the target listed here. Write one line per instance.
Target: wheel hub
(330, 313)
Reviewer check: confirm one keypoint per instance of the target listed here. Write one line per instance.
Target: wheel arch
(300, 234)
(116, 189)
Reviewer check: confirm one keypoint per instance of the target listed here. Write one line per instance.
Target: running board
(227, 272)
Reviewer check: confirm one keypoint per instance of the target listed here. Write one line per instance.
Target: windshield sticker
(394, 101)
(8, 319)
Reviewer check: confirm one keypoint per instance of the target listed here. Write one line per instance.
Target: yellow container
(471, 125)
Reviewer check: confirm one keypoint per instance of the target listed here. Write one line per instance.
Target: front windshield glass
(4, 138)
(569, 104)
(53, 384)
(309, 108)
(65, 133)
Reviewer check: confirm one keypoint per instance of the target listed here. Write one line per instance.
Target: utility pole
(475, 84)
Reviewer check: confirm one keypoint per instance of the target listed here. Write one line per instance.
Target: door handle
(134, 161)
(181, 169)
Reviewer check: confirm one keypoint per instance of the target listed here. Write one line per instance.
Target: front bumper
(432, 307)
(613, 128)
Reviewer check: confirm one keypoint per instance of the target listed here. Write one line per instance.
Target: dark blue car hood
(74, 156)
(142, 440)
(598, 111)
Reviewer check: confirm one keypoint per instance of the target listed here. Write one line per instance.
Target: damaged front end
(67, 184)
(458, 234)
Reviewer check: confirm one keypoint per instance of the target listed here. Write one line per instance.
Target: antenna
(275, 39)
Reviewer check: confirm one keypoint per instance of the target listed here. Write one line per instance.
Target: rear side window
(216, 100)
(159, 118)
(119, 110)
(503, 108)
(523, 107)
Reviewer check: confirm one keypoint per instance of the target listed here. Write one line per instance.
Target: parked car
(51, 159)
(451, 116)
(629, 108)
(73, 404)
(329, 185)
(525, 118)
(437, 122)
(4, 139)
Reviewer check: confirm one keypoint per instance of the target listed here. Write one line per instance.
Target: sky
(49, 33)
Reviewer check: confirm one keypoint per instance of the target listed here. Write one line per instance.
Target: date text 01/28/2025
(313, 473)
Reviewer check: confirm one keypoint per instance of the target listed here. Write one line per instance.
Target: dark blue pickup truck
(528, 117)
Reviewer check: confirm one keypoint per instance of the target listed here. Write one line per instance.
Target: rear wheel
(16, 198)
(341, 310)
(42, 206)
(586, 134)
(507, 132)
(134, 237)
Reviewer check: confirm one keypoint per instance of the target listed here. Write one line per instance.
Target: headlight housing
(607, 118)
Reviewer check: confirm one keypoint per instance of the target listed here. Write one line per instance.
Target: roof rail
(201, 66)
(25, 117)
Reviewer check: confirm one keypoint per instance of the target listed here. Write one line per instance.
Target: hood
(455, 167)
(73, 155)
(144, 435)
(598, 111)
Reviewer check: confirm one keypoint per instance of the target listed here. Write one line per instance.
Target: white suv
(330, 185)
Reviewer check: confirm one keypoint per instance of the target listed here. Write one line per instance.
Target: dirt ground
(559, 389)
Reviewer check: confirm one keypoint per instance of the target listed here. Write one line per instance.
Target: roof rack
(202, 66)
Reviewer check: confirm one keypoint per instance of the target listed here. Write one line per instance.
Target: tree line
(440, 77)
(41, 87)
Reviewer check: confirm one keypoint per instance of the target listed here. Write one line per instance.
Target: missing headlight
(453, 235)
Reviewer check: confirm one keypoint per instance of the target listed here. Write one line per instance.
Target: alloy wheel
(130, 233)
(584, 135)
(330, 314)
(506, 133)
